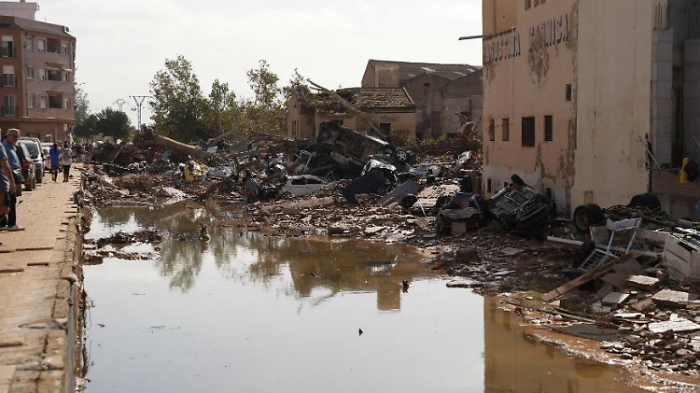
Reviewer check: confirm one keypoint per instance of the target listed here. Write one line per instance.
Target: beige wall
(521, 83)
(299, 124)
(614, 100)
(596, 155)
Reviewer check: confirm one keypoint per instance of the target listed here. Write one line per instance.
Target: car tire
(40, 177)
(18, 191)
(587, 215)
(401, 156)
(648, 200)
(408, 201)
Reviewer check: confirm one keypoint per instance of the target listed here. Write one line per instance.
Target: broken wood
(362, 115)
(588, 276)
(180, 148)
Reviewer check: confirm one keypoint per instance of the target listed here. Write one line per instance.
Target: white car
(47, 158)
(302, 185)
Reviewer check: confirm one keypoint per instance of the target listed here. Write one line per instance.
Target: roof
(14, 23)
(373, 99)
(409, 70)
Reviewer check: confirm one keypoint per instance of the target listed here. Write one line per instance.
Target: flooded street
(248, 313)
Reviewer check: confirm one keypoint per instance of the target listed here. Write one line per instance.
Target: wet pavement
(244, 312)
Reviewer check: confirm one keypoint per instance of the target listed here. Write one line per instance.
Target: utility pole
(139, 100)
(120, 103)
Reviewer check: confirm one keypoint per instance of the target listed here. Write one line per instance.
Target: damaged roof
(371, 99)
(409, 70)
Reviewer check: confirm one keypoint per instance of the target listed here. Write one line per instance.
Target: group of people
(11, 175)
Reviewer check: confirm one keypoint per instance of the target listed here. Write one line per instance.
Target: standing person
(66, 161)
(55, 155)
(9, 145)
(7, 186)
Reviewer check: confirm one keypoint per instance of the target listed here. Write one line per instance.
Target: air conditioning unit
(66, 29)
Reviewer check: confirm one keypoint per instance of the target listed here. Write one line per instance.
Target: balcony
(8, 111)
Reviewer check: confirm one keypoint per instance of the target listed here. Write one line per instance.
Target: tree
(87, 127)
(113, 123)
(297, 85)
(222, 113)
(82, 105)
(266, 111)
(178, 103)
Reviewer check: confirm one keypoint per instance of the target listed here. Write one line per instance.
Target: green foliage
(82, 105)
(86, 128)
(266, 112)
(178, 104)
(182, 112)
(113, 123)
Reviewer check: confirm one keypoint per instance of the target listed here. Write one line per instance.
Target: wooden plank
(588, 276)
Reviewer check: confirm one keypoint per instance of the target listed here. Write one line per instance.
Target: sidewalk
(37, 310)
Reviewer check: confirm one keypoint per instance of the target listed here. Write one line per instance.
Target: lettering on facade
(507, 45)
(549, 33)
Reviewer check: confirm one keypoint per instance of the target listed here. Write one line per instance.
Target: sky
(122, 44)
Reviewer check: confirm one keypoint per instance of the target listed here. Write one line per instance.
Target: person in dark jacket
(55, 154)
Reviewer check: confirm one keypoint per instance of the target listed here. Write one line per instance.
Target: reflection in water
(517, 364)
(225, 315)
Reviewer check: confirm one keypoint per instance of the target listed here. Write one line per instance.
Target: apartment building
(569, 96)
(38, 70)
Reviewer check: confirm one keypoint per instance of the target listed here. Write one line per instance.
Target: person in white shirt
(66, 160)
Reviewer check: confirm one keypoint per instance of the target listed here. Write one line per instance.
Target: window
(568, 92)
(489, 185)
(55, 75)
(41, 45)
(385, 128)
(8, 76)
(528, 131)
(42, 103)
(7, 47)
(66, 77)
(55, 101)
(66, 104)
(8, 106)
(30, 101)
(506, 129)
(548, 129)
(492, 130)
(64, 49)
(53, 45)
(42, 74)
(528, 4)
(30, 72)
(28, 43)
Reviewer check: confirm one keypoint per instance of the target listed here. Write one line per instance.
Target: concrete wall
(462, 95)
(691, 99)
(381, 75)
(662, 116)
(299, 124)
(525, 75)
(614, 100)
(426, 92)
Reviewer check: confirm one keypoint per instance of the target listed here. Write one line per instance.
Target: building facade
(568, 98)
(38, 70)
(446, 95)
(391, 109)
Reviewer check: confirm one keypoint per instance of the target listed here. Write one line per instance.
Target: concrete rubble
(628, 269)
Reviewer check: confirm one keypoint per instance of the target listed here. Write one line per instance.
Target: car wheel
(401, 156)
(587, 215)
(18, 191)
(40, 177)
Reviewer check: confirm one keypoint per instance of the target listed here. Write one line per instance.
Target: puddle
(249, 313)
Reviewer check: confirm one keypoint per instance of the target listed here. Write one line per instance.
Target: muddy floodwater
(248, 313)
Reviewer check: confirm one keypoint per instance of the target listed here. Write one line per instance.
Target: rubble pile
(627, 273)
